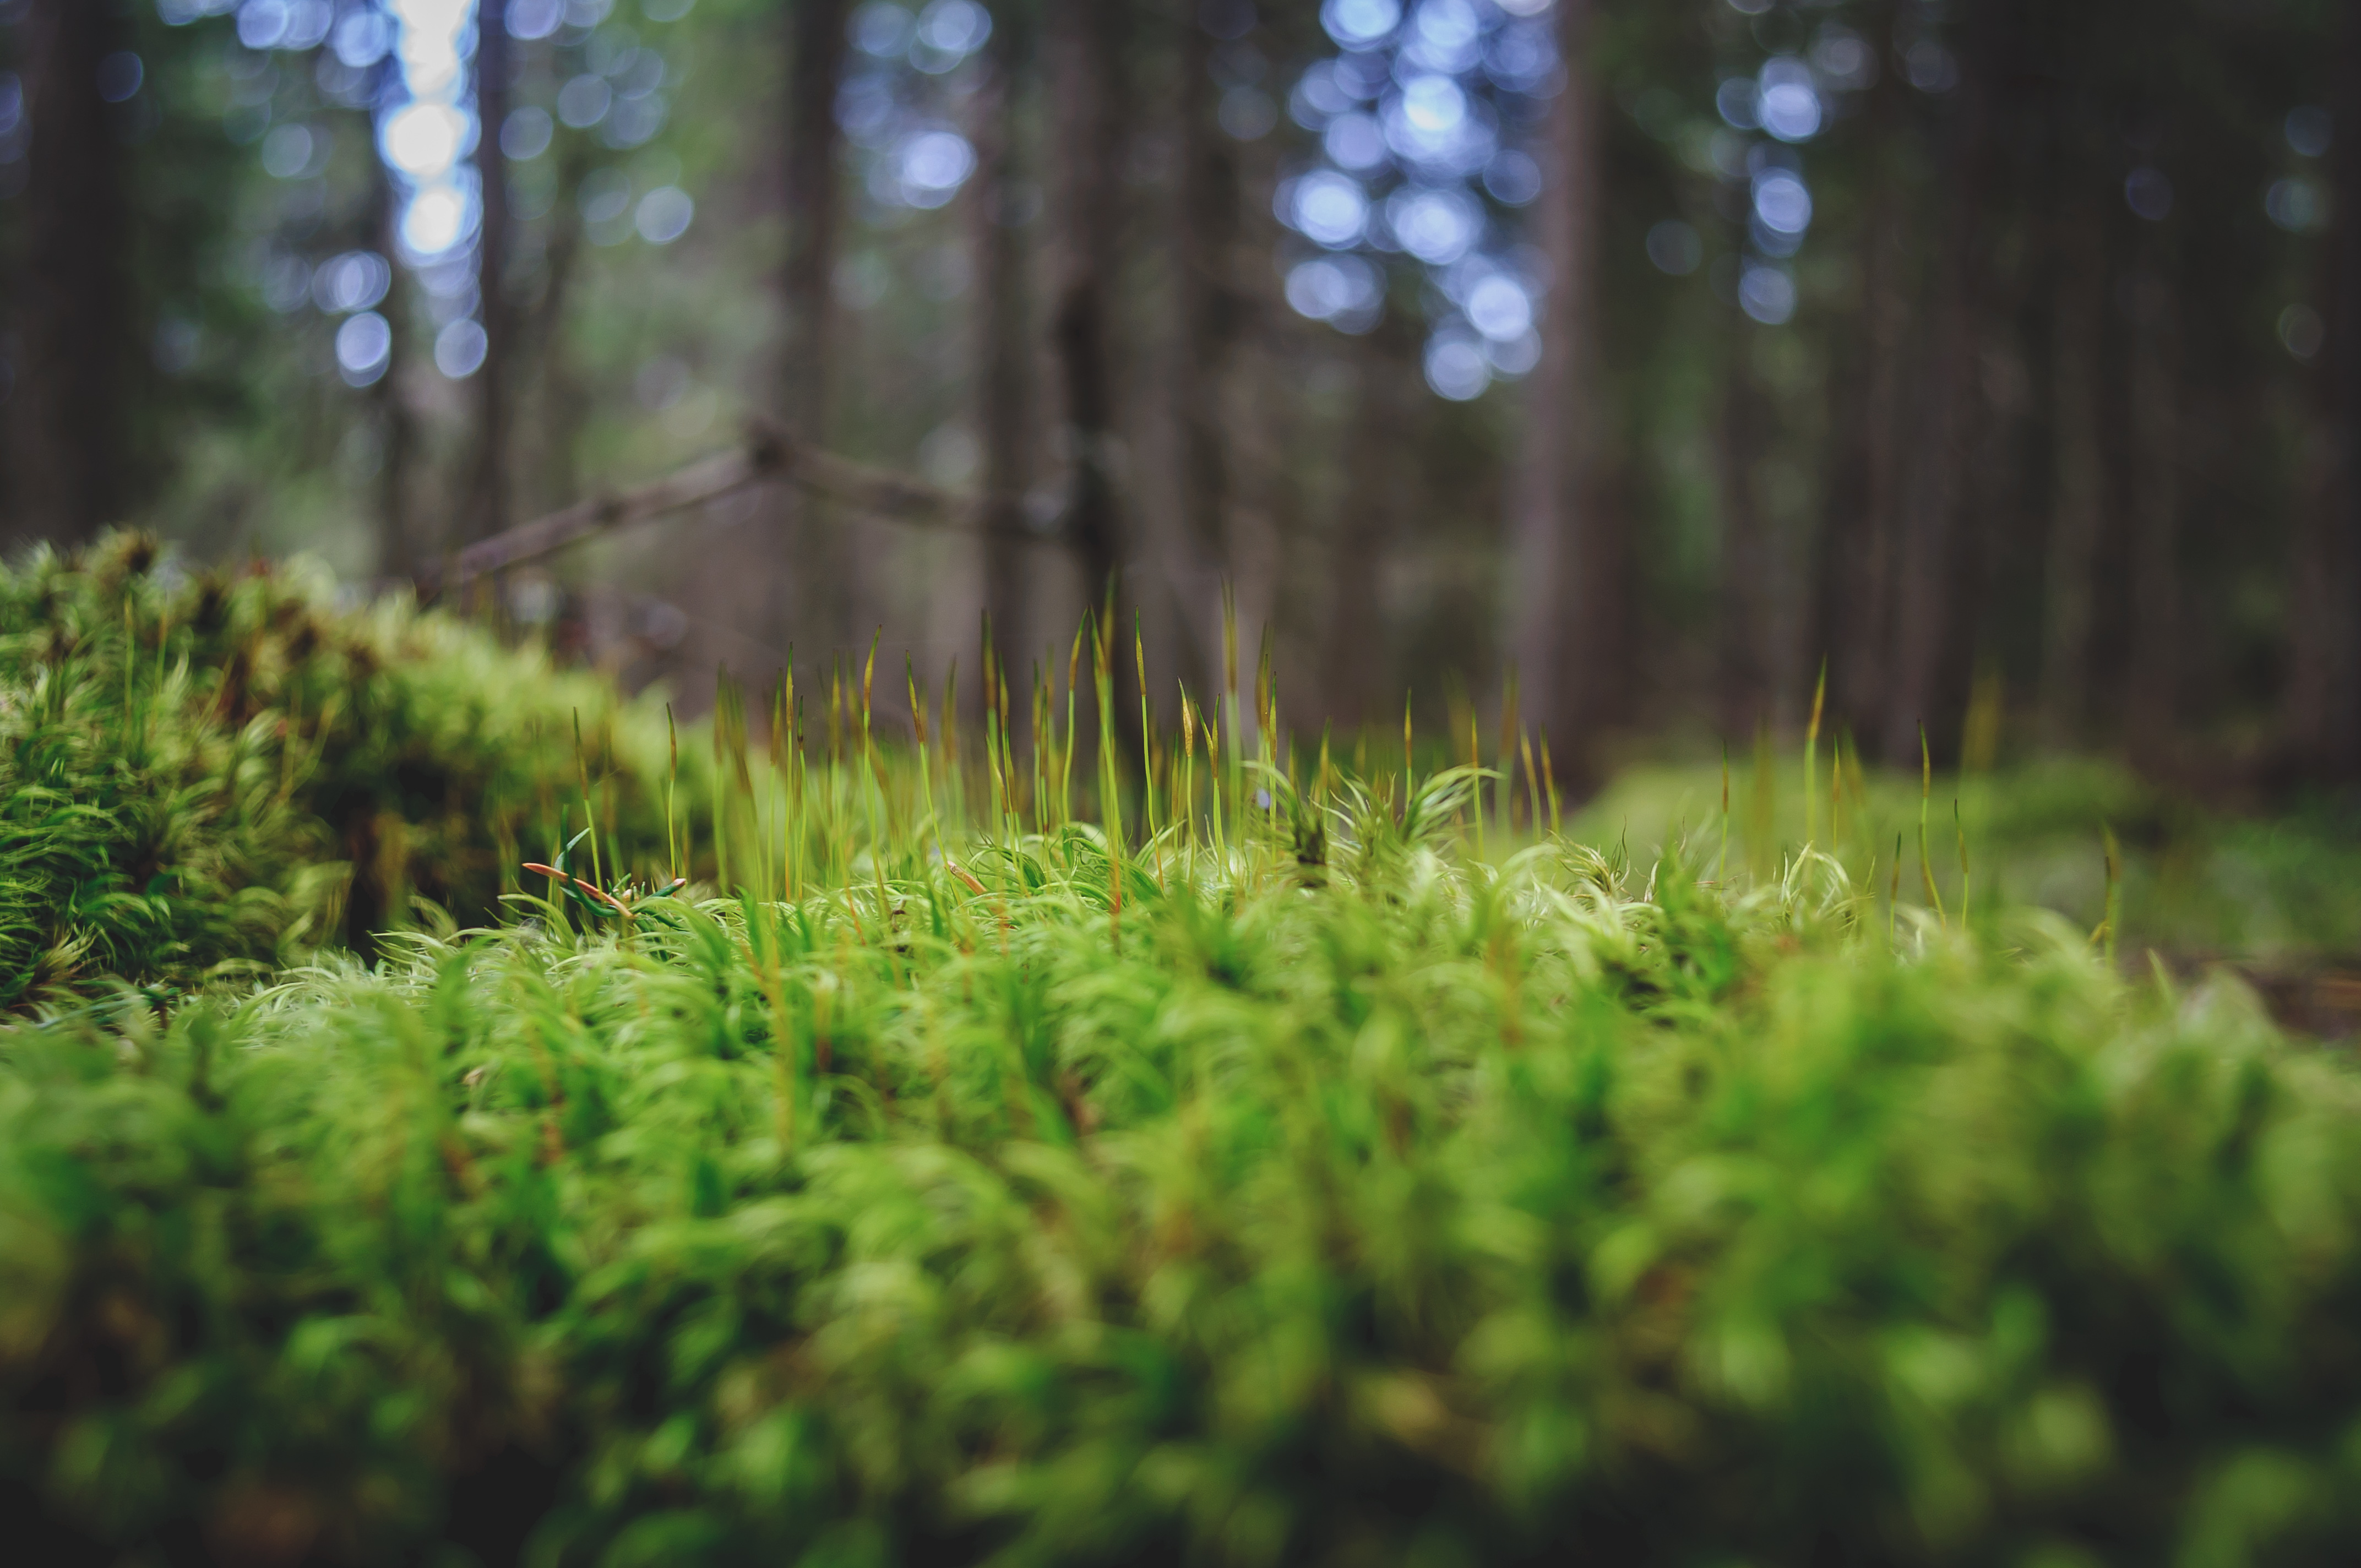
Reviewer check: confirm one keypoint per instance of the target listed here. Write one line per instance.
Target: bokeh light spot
(1356, 24)
(525, 134)
(364, 345)
(664, 214)
(1767, 294)
(1456, 368)
(460, 347)
(1330, 209)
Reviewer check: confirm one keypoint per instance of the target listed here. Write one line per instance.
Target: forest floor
(1274, 1165)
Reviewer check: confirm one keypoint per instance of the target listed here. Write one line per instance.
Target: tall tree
(1743, 655)
(813, 568)
(2338, 721)
(1207, 312)
(74, 313)
(487, 501)
(1003, 327)
(1928, 623)
(1086, 82)
(1380, 453)
(2078, 342)
(2153, 684)
(1859, 547)
(1566, 544)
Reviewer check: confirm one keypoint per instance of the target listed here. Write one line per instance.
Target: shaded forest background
(1653, 351)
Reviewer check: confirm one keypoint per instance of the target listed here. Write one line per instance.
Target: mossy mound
(204, 773)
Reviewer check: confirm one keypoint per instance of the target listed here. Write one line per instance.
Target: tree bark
(74, 314)
(1206, 321)
(1928, 622)
(2153, 688)
(1004, 345)
(1743, 651)
(489, 508)
(1357, 659)
(1087, 86)
(2076, 517)
(1567, 546)
(813, 570)
(2339, 724)
(1858, 575)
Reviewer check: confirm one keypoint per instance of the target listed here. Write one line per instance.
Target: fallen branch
(768, 455)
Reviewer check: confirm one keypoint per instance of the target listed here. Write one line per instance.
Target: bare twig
(767, 455)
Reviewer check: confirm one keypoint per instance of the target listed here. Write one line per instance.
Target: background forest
(1652, 352)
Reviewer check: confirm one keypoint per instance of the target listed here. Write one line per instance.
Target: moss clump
(222, 772)
(1438, 1212)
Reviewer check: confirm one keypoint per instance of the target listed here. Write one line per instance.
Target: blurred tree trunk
(74, 313)
(396, 557)
(1005, 347)
(1567, 543)
(2078, 343)
(1206, 323)
(2152, 690)
(1744, 655)
(811, 576)
(562, 400)
(2335, 722)
(1357, 660)
(487, 501)
(1088, 89)
(1927, 621)
(1858, 562)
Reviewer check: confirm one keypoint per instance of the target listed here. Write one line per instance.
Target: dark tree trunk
(1206, 321)
(74, 313)
(2076, 517)
(562, 402)
(1743, 651)
(1929, 622)
(1086, 65)
(2338, 726)
(813, 571)
(1567, 548)
(1358, 659)
(1860, 570)
(2152, 689)
(1004, 345)
(487, 506)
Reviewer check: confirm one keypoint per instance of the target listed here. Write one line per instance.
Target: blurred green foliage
(221, 771)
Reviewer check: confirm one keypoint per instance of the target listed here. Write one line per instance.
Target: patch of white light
(1431, 124)
(1353, 141)
(364, 345)
(1326, 208)
(1418, 146)
(932, 167)
(283, 24)
(1787, 104)
(1438, 226)
(1447, 36)
(1456, 368)
(426, 135)
(1767, 293)
(1781, 201)
(1346, 292)
(1358, 24)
